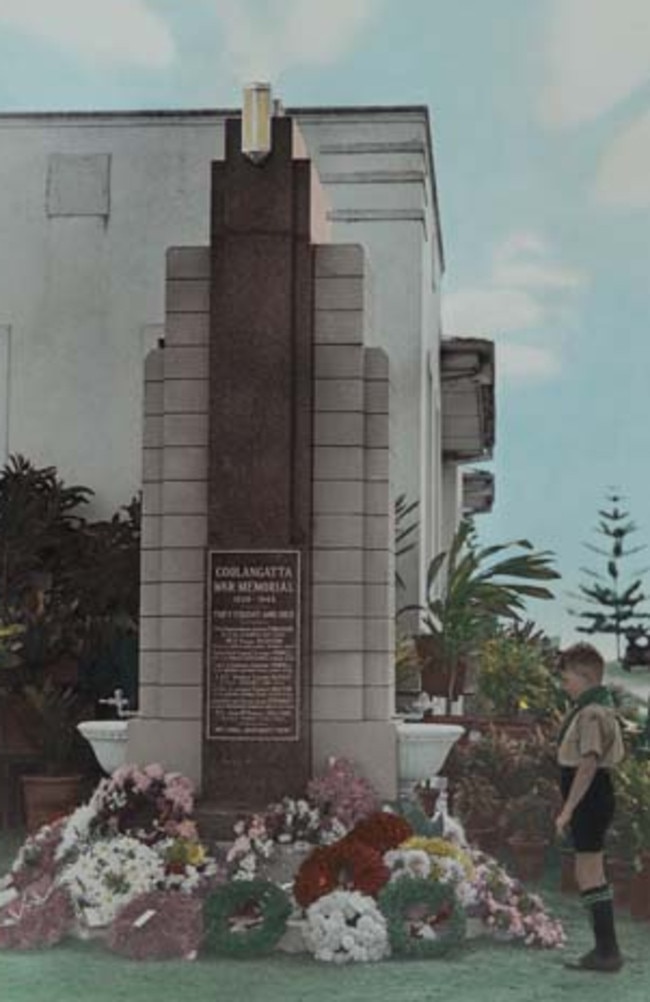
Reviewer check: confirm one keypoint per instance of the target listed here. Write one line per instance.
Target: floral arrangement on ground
(333, 873)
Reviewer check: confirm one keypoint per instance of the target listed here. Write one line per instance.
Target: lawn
(482, 970)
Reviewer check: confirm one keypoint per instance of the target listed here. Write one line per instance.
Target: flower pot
(529, 856)
(49, 797)
(438, 679)
(619, 873)
(484, 837)
(639, 891)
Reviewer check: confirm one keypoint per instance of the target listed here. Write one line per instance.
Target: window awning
(468, 404)
(478, 492)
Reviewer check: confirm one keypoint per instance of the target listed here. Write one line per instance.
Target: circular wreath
(424, 918)
(245, 917)
(344, 926)
(345, 865)
(381, 830)
(158, 926)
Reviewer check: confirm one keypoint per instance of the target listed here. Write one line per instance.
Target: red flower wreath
(382, 830)
(347, 864)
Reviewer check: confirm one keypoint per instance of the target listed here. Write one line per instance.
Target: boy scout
(589, 746)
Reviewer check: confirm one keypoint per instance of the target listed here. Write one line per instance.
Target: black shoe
(593, 961)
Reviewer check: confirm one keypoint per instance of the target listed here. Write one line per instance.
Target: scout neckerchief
(598, 694)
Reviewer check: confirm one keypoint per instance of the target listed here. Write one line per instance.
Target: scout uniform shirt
(593, 730)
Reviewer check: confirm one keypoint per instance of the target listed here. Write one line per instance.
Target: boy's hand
(562, 821)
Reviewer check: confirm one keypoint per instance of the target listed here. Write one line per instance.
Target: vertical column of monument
(257, 721)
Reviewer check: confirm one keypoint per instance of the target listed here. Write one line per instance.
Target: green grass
(482, 970)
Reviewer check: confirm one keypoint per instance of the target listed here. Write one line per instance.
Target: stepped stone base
(215, 820)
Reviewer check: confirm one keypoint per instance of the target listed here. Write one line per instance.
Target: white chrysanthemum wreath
(107, 875)
(344, 926)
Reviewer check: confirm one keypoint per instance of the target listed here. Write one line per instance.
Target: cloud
(521, 261)
(521, 362)
(490, 311)
(263, 41)
(597, 54)
(623, 178)
(526, 293)
(523, 288)
(118, 31)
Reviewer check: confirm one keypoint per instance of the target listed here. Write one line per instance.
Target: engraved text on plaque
(253, 671)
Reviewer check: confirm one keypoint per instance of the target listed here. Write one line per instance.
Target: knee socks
(598, 901)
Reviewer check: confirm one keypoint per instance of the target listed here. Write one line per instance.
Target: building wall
(89, 205)
(452, 501)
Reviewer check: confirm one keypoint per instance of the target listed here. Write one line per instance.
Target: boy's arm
(581, 782)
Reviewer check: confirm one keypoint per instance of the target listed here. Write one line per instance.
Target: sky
(541, 123)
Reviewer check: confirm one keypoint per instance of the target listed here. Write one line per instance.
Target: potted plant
(467, 592)
(530, 820)
(632, 781)
(408, 676)
(54, 789)
(515, 682)
(479, 807)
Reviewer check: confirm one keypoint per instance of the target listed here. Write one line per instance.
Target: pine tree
(617, 603)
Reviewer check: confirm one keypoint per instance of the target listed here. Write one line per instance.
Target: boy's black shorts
(593, 815)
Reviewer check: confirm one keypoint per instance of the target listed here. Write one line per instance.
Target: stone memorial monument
(267, 607)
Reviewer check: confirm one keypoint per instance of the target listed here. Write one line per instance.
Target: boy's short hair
(584, 660)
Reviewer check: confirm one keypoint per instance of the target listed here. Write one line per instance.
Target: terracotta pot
(436, 676)
(49, 797)
(568, 883)
(485, 838)
(619, 873)
(529, 856)
(639, 891)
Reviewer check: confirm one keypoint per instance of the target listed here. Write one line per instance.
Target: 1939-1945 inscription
(253, 671)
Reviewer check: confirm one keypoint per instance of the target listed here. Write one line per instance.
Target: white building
(89, 203)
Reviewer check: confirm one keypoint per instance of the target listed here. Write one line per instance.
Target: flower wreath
(158, 925)
(424, 917)
(439, 849)
(39, 916)
(344, 926)
(382, 830)
(245, 917)
(344, 865)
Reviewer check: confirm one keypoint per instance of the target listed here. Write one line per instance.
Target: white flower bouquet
(107, 875)
(346, 926)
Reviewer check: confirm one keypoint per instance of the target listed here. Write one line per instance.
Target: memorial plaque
(253, 671)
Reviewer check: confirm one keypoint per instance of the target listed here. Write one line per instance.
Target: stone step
(215, 820)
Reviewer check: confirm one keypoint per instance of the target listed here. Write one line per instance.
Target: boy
(589, 745)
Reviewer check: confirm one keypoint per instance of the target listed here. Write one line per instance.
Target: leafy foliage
(470, 588)
(405, 530)
(56, 711)
(39, 527)
(515, 675)
(69, 597)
